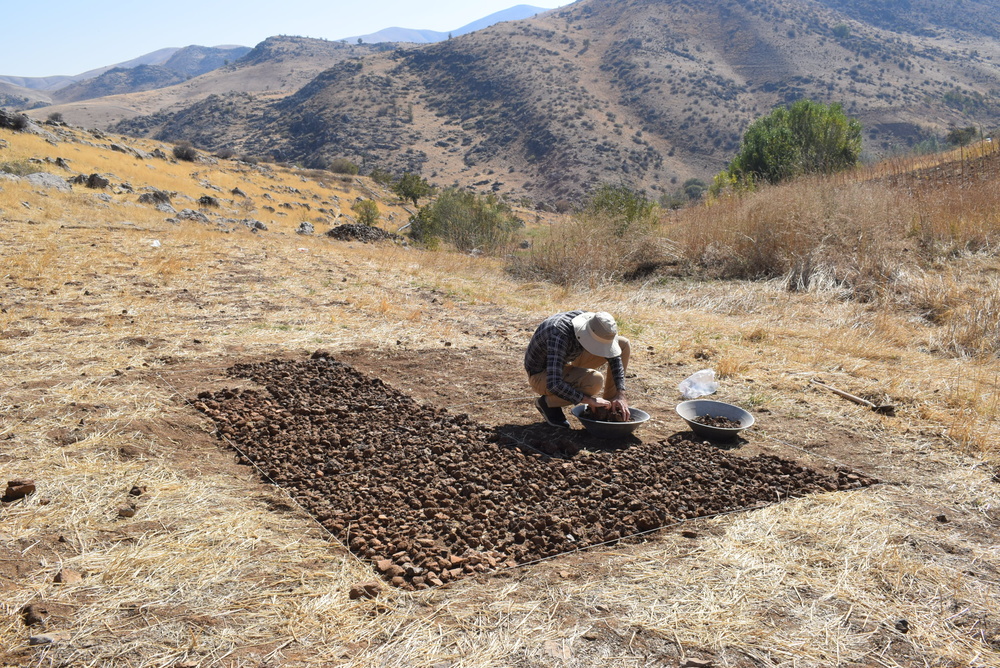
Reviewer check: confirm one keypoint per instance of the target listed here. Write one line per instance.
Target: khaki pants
(582, 374)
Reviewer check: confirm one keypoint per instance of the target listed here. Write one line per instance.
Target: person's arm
(554, 367)
(619, 403)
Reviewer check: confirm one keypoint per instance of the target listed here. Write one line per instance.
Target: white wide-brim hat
(598, 334)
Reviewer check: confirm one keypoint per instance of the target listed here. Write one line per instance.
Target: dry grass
(859, 232)
(586, 250)
(102, 335)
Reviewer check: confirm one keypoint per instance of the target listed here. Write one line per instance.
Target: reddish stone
(18, 489)
(365, 590)
(67, 576)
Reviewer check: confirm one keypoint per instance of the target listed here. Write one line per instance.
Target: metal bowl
(602, 429)
(689, 410)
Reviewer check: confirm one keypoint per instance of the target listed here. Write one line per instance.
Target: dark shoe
(554, 416)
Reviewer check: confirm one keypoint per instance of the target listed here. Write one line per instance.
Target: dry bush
(342, 166)
(584, 250)
(185, 151)
(974, 327)
(964, 305)
(20, 167)
(835, 233)
(959, 219)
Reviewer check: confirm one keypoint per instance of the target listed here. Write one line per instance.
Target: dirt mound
(364, 233)
(429, 497)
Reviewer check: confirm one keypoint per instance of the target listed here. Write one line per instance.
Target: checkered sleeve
(618, 372)
(555, 364)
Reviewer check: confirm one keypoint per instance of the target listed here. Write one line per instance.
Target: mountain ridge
(415, 36)
(649, 93)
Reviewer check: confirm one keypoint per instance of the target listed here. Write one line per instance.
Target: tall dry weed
(965, 307)
(586, 250)
(816, 233)
(960, 219)
(859, 233)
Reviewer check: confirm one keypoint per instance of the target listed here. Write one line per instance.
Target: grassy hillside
(115, 315)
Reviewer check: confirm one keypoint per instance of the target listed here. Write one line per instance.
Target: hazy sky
(62, 37)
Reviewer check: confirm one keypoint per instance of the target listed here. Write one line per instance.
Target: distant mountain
(118, 81)
(16, 97)
(647, 92)
(276, 67)
(160, 68)
(56, 82)
(181, 65)
(430, 36)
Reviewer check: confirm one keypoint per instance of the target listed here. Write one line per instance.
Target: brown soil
(429, 496)
(603, 415)
(716, 421)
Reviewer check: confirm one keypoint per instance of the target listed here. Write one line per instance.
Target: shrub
(694, 188)
(622, 208)
(467, 221)
(11, 121)
(585, 250)
(185, 151)
(805, 138)
(225, 153)
(343, 166)
(674, 200)
(412, 187)
(961, 136)
(55, 117)
(366, 211)
(382, 177)
(19, 168)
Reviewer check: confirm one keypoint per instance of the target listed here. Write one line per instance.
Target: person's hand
(597, 402)
(619, 406)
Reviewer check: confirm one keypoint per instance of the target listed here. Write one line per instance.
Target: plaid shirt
(553, 346)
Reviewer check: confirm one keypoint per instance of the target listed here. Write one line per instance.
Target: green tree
(694, 188)
(412, 187)
(961, 136)
(367, 211)
(806, 138)
(622, 208)
(467, 221)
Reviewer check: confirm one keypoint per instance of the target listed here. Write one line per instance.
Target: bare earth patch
(429, 497)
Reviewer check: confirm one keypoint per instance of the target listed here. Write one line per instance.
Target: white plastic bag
(698, 384)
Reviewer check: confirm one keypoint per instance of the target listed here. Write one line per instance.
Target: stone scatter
(364, 233)
(429, 497)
